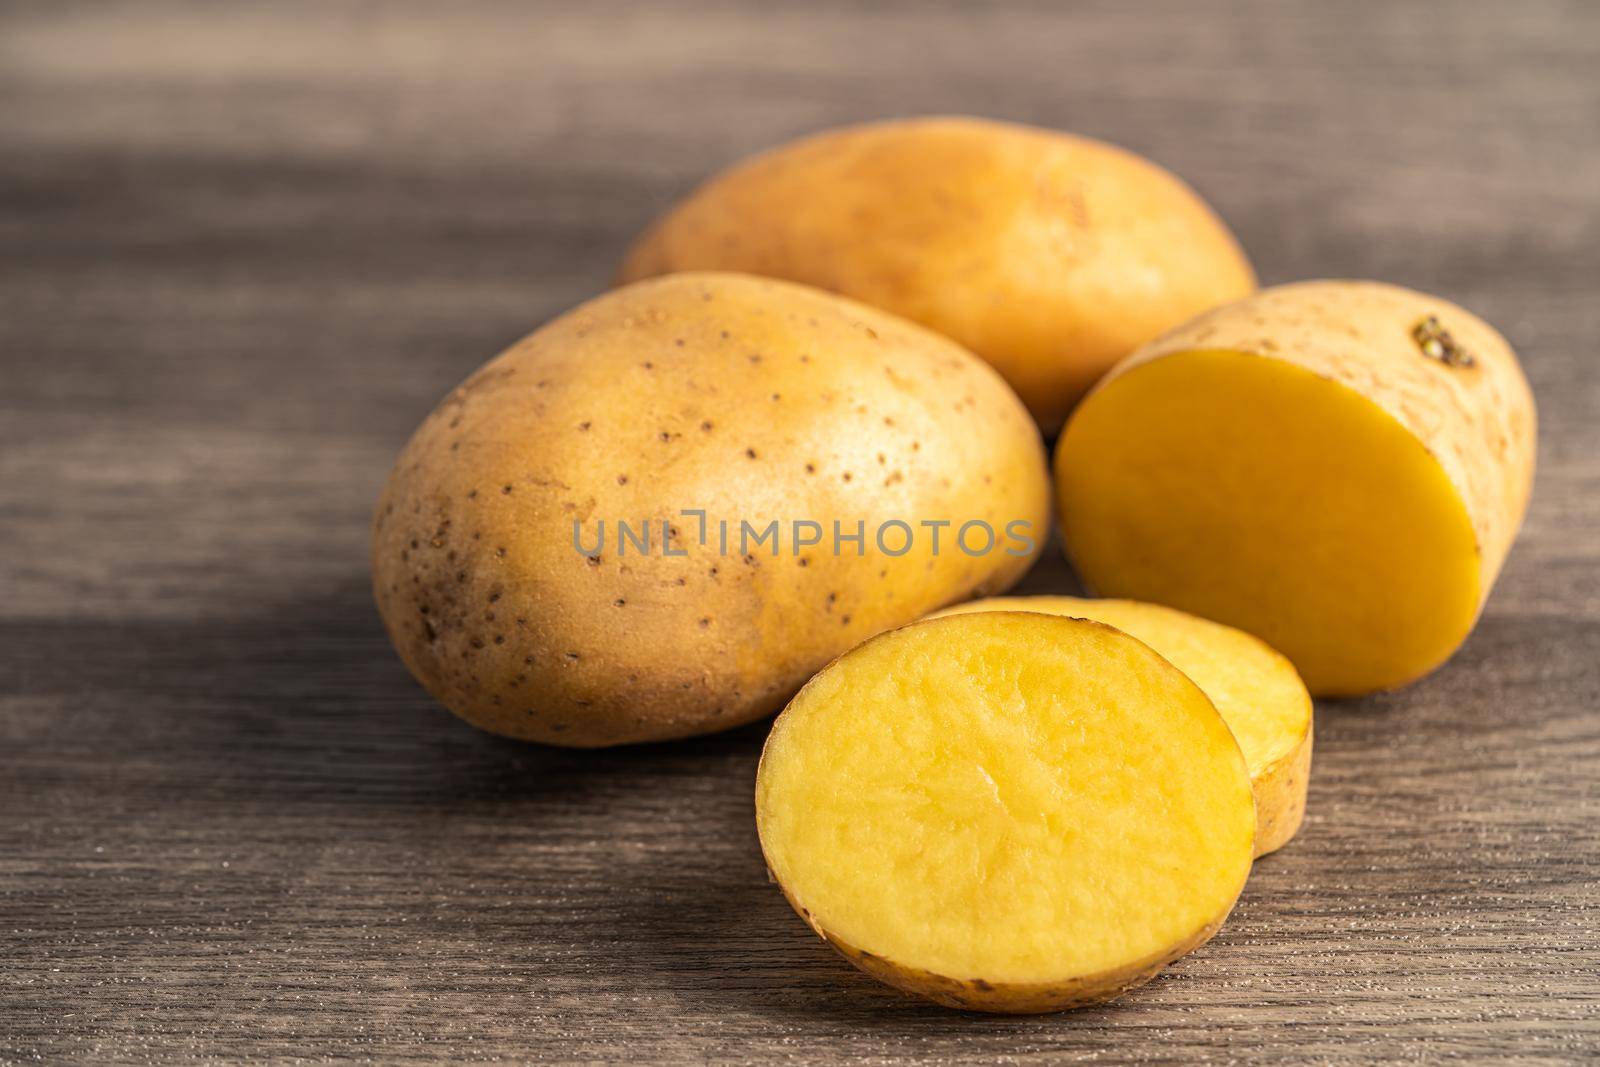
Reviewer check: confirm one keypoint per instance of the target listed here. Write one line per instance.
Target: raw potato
(1256, 690)
(1049, 255)
(752, 399)
(1317, 465)
(1006, 811)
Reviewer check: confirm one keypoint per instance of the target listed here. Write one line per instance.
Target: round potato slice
(1255, 688)
(1337, 467)
(1007, 811)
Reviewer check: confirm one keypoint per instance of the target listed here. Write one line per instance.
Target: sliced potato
(1006, 811)
(1337, 467)
(1255, 688)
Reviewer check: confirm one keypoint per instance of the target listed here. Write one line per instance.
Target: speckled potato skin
(746, 397)
(1280, 792)
(1478, 421)
(1049, 255)
(977, 994)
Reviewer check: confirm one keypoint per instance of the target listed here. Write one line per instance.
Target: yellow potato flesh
(1257, 493)
(1006, 811)
(1255, 689)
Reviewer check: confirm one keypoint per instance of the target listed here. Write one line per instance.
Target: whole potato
(749, 400)
(1049, 255)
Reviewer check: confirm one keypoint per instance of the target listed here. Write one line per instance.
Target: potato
(1337, 467)
(1006, 811)
(749, 401)
(1255, 689)
(1051, 256)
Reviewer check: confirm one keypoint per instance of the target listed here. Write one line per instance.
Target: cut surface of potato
(1255, 688)
(1305, 466)
(1006, 811)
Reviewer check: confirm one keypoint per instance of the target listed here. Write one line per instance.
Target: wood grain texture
(244, 248)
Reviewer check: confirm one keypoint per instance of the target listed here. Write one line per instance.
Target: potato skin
(746, 397)
(1049, 255)
(1280, 792)
(1007, 998)
(1477, 421)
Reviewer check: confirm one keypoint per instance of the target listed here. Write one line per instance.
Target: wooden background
(244, 248)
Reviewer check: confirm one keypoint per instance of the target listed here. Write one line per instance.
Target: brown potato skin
(1280, 792)
(1049, 255)
(748, 397)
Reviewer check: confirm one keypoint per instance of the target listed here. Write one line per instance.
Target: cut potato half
(1254, 687)
(1336, 467)
(1006, 811)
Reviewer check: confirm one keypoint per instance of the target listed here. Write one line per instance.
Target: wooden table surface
(244, 248)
